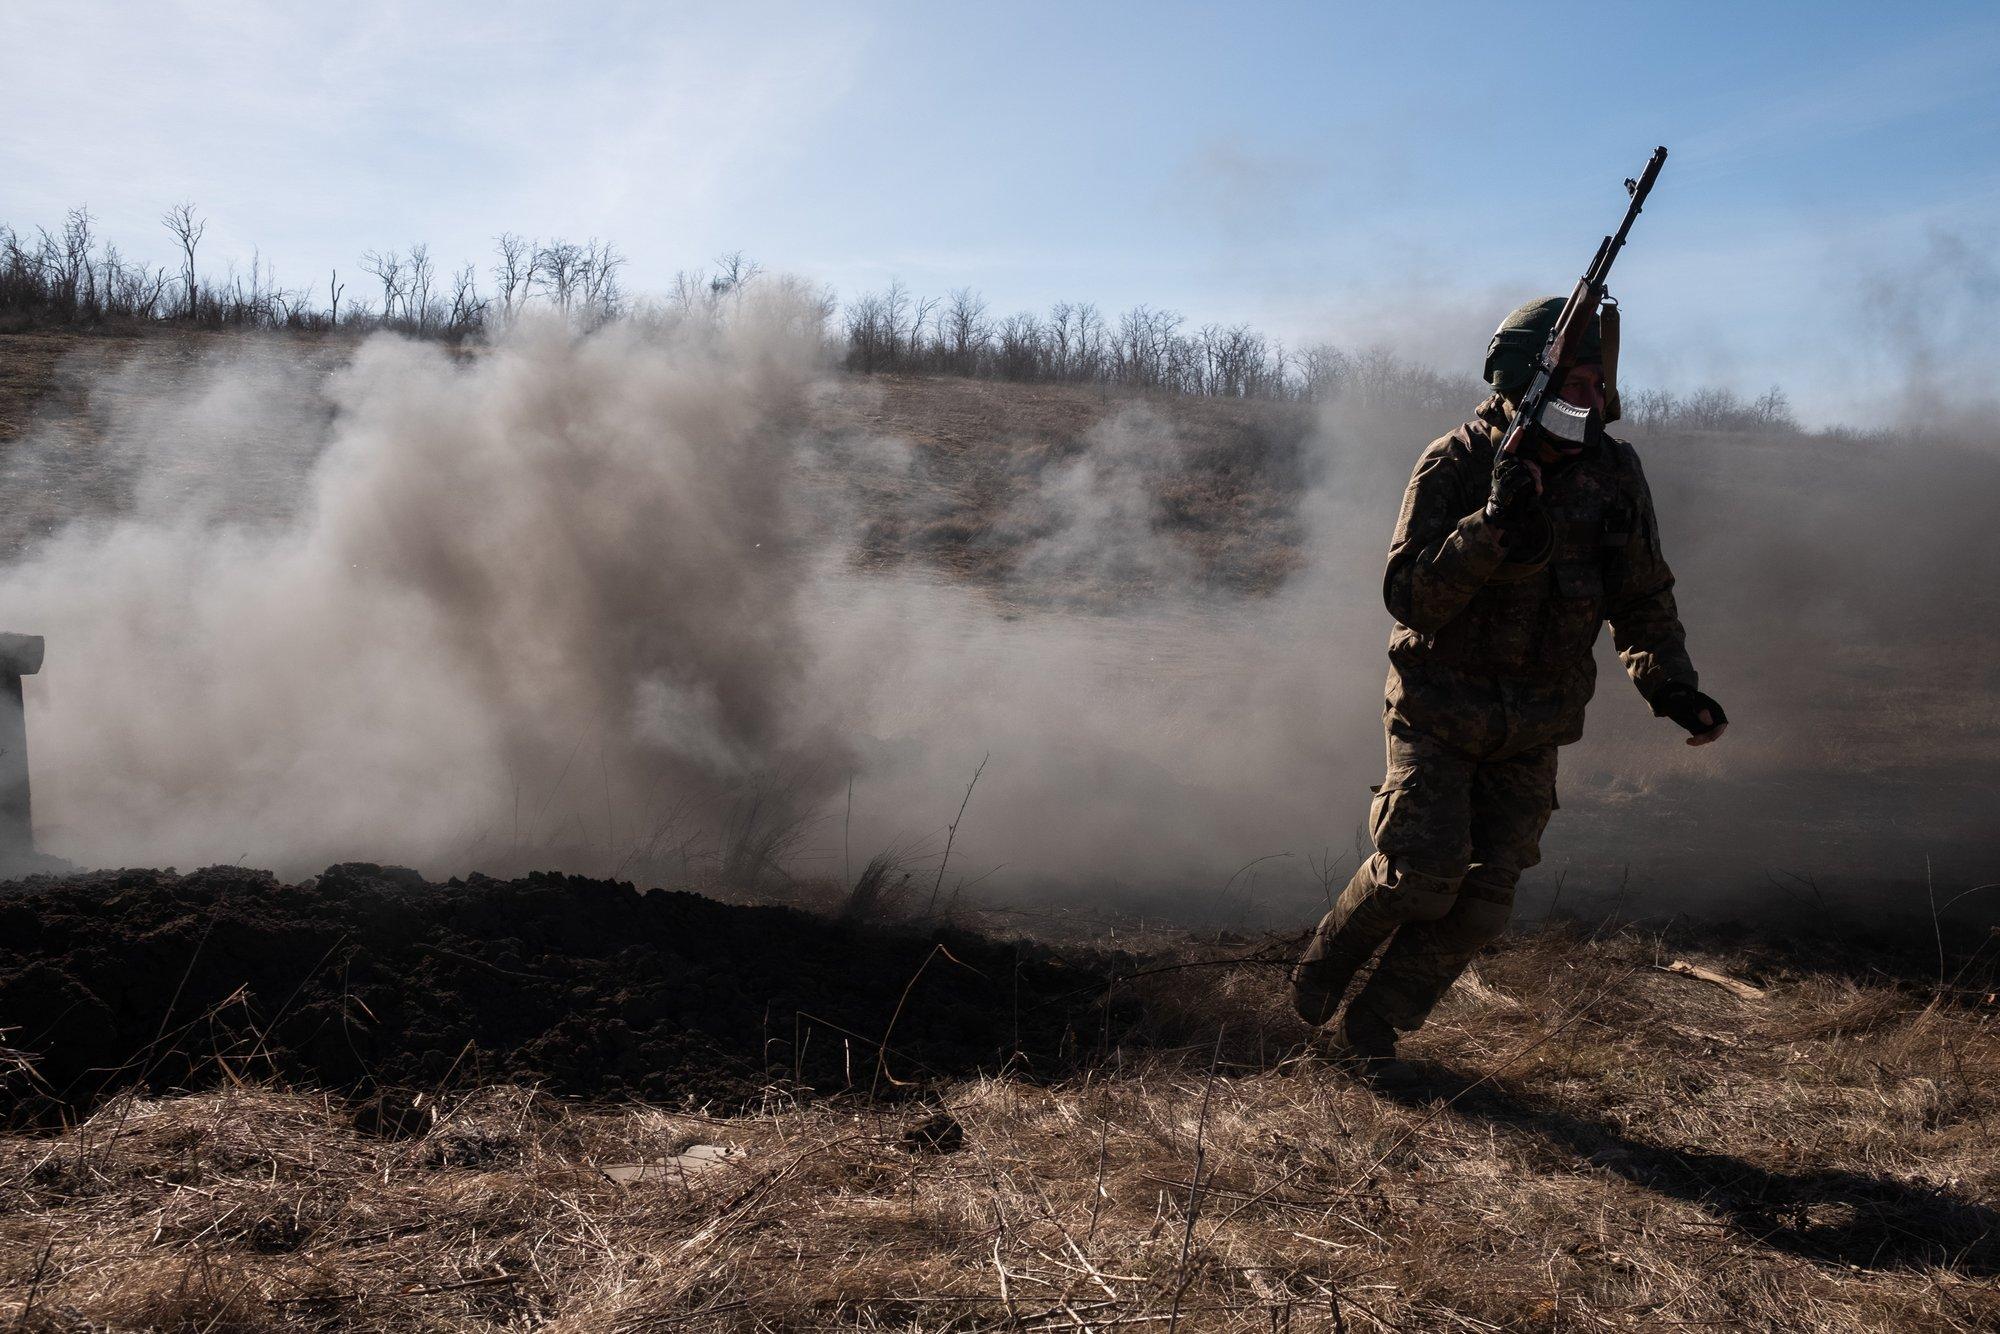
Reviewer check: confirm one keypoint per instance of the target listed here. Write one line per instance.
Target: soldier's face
(1584, 387)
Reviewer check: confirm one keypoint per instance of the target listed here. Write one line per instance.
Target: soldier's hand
(1713, 734)
(1700, 715)
(1517, 483)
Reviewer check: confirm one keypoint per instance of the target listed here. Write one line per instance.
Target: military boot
(1381, 896)
(1370, 1044)
(1322, 975)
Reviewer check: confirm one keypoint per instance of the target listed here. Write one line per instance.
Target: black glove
(1516, 494)
(1684, 704)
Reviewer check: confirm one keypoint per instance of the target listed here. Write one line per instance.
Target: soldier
(1502, 569)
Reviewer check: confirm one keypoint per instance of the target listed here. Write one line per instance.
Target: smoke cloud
(423, 604)
(594, 602)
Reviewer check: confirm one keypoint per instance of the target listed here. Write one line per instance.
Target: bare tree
(1089, 356)
(1061, 340)
(1647, 407)
(691, 295)
(468, 311)
(923, 315)
(514, 271)
(387, 268)
(599, 280)
(417, 299)
(1710, 409)
(255, 304)
(1774, 410)
(867, 340)
(187, 229)
(1235, 362)
(73, 268)
(964, 330)
(1323, 369)
(895, 304)
(335, 287)
(1022, 346)
(733, 272)
(1147, 352)
(559, 269)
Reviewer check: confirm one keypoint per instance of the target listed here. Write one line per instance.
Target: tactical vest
(1542, 619)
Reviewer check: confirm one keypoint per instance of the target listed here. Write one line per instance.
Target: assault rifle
(1542, 402)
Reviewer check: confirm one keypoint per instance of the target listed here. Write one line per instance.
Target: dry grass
(1644, 1150)
(1223, 499)
(967, 504)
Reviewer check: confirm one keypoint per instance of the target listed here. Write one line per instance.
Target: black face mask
(1571, 429)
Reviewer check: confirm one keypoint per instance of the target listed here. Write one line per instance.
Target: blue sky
(1398, 174)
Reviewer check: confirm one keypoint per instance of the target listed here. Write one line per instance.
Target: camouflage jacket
(1494, 656)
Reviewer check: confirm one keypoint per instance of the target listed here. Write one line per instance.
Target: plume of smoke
(1095, 514)
(1148, 752)
(1839, 599)
(1932, 317)
(512, 594)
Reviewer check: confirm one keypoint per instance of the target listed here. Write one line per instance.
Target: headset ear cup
(1607, 326)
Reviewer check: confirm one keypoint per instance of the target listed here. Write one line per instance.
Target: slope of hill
(963, 492)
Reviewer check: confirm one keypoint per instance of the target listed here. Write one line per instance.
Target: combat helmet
(1510, 355)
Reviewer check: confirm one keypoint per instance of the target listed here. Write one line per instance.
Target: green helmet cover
(1510, 357)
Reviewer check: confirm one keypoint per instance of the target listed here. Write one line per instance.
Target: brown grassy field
(1227, 495)
(1597, 1142)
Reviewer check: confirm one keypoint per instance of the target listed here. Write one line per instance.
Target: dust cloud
(566, 602)
(500, 582)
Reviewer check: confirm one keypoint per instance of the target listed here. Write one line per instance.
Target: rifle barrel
(1643, 187)
(1582, 304)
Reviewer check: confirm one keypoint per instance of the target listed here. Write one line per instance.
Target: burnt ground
(367, 977)
(1802, 1138)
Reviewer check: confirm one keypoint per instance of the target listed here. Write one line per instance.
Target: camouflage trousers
(1452, 836)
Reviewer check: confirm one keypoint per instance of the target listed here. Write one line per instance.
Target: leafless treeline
(1143, 348)
(71, 277)
(1711, 410)
(1149, 348)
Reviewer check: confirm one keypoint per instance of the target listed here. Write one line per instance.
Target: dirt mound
(368, 976)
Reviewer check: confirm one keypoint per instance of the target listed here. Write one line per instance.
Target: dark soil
(368, 978)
